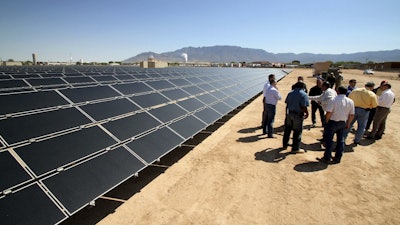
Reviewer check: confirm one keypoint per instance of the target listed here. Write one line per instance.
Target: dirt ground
(238, 176)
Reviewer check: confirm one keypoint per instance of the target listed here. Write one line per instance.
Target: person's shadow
(250, 139)
(310, 167)
(248, 130)
(271, 155)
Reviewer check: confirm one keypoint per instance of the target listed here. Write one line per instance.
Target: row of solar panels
(64, 147)
(34, 82)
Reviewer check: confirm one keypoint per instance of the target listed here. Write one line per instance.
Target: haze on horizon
(116, 30)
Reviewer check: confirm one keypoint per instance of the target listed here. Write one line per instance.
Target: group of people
(338, 109)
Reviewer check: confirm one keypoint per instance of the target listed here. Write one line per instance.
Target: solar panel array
(70, 134)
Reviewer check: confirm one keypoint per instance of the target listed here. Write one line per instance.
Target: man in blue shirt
(296, 111)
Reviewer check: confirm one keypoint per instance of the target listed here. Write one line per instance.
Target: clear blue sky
(116, 30)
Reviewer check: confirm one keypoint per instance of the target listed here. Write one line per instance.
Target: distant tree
(10, 60)
(341, 63)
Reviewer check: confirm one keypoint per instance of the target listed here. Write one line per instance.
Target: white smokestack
(185, 56)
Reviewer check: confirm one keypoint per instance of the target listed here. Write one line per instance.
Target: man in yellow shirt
(364, 100)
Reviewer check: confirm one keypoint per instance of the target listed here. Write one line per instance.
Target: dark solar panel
(168, 112)
(104, 78)
(29, 206)
(11, 173)
(23, 128)
(219, 94)
(206, 87)
(207, 98)
(193, 90)
(77, 186)
(50, 154)
(22, 76)
(125, 77)
(208, 115)
(148, 100)
(222, 108)
(89, 93)
(232, 102)
(104, 110)
(132, 88)
(30, 101)
(180, 82)
(195, 80)
(175, 94)
(191, 104)
(5, 77)
(159, 85)
(131, 126)
(188, 126)
(46, 82)
(4, 84)
(156, 144)
(79, 80)
(51, 75)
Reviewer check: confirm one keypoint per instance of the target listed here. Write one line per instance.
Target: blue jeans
(332, 128)
(361, 116)
(270, 111)
(293, 121)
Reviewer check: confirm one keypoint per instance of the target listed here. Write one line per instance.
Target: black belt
(363, 108)
(299, 113)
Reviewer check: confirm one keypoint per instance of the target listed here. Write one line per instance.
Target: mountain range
(221, 54)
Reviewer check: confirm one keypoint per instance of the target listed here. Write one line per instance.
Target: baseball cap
(370, 84)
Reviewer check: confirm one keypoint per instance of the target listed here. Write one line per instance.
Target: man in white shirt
(266, 85)
(385, 101)
(339, 114)
(328, 95)
(272, 96)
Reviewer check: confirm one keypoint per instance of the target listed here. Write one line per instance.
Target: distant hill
(239, 54)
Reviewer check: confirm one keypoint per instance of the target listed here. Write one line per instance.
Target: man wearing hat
(378, 92)
(364, 100)
(385, 102)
